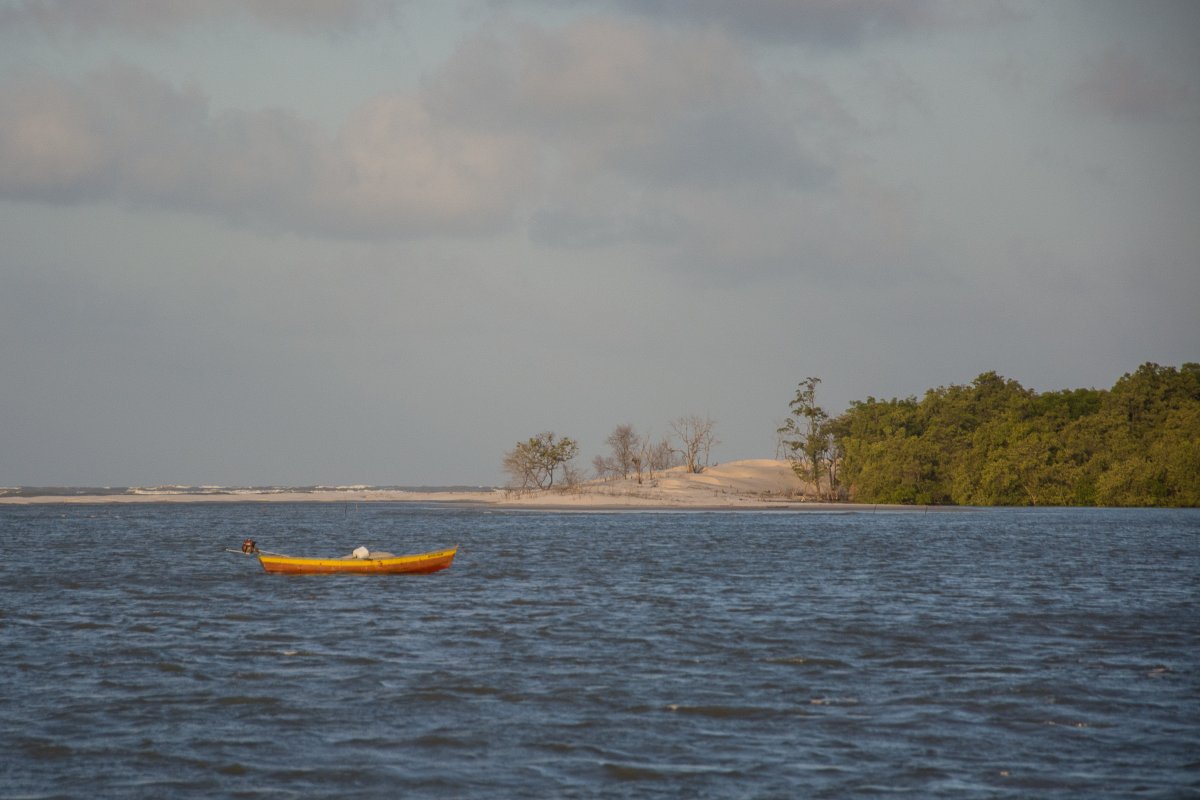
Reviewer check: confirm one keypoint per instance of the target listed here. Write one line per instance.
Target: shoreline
(580, 504)
(542, 501)
(750, 485)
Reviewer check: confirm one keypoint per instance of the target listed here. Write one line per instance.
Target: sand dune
(736, 483)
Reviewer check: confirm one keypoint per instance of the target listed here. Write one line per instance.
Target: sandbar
(754, 484)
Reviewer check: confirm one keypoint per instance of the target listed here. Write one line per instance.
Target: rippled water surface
(953, 654)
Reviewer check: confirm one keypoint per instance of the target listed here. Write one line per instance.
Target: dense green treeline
(994, 442)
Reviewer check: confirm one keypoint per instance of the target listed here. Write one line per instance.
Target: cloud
(572, 221)
(828, 23)
(595, 132)
(634, 124)
(121, 134)
(397, 167)
(152, 18)
(120, 130)
(47, 150)
(602, 77)
(607, 94)
(1124, 87)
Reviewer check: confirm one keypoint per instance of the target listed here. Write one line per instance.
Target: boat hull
(415, 564)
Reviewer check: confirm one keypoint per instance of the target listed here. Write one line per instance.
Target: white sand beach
(736, 484)
(757, 483)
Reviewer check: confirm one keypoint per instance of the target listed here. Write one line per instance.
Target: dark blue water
(954, 654)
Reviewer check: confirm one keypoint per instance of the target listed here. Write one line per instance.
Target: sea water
(958, 654)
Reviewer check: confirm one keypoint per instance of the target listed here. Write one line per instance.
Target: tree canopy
(536, 462)
(806, 437)
(994, 442)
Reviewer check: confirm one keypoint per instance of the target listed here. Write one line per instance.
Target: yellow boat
(371, 564)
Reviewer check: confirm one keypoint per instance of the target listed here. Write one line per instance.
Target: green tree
(993, 442)
(1148, 423)
(882, 455)
(807, 438)
(536, 462)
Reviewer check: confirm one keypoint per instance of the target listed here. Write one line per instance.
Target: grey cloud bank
(63, 18)
(578, 216)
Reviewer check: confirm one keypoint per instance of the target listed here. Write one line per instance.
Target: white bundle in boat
(361, 552)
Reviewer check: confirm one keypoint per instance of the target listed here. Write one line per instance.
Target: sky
(256, 242)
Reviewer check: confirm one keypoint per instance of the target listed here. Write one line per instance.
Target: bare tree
(658, 455)
(782, 432)
(662, 456)
(696, 440)
(571, 474)
(625, 444)
(603, 467)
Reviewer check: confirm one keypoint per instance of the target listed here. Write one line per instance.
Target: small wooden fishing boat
(369, 564)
